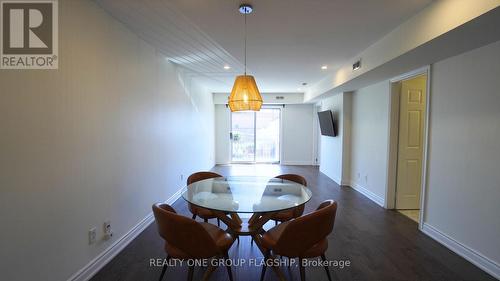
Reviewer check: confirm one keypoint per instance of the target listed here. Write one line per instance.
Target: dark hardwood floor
(380, 244)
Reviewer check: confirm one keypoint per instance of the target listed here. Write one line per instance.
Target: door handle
(231, 135)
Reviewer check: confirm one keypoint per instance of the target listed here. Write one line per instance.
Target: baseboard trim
(89, 270)
(345, 183)
(294, 163)
(174, 197)
(372, 196)
(462, 250)
(336, 180)
(297, 163)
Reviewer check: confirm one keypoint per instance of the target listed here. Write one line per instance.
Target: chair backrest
(304, 232)
(198, 176)
(183, 233)
(201, 176)
(297, 212)
(293, 177)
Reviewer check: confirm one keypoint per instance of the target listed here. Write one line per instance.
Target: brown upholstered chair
(311, 230)
(295, 212)
(203, 213)
(186, 238)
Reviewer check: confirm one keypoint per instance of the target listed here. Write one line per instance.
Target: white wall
(222, 130)
(369, 138)
(331, 152)
(296, 136)
(103, 137)
(463, 190)
(346, 137)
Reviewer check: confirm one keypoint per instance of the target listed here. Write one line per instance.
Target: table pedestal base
(253, 227)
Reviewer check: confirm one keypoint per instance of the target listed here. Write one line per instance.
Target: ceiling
(288, 40)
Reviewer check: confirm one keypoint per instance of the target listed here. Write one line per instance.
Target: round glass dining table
(261, 196)
(245, 194)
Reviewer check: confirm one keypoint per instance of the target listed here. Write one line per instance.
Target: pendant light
(245, 94)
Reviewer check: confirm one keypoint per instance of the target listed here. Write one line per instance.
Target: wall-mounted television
(326, 123)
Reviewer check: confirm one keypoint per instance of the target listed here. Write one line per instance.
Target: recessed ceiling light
(304, 84)
(226, 67)
(324, 67)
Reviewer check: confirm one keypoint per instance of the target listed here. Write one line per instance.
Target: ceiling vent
(280, 97)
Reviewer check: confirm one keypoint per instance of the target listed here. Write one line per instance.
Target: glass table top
(246, 194)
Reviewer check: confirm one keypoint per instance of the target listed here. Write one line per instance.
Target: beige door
(410, 147)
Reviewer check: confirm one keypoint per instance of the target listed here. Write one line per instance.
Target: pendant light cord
(246, 12)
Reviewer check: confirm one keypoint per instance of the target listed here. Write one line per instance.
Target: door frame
(392, 149)
(280, 135)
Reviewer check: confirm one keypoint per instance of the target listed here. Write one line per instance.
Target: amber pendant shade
(245, 94)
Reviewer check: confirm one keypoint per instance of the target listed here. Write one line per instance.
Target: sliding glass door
(267, 135)
(255, 136)
(242, 136)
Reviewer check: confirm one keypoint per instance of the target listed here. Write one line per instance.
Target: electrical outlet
(92, 235)
(108, 231)
(182, 177)
(366, 178)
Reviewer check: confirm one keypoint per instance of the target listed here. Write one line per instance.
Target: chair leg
(218, 222)
(190, 273)
(302, 270)
(264, 267)
(275, 223)
(205, 220)
(251, 240)
(164, 269)
(323, 258)
(228, 266)
(163, 272)
(194, 216)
